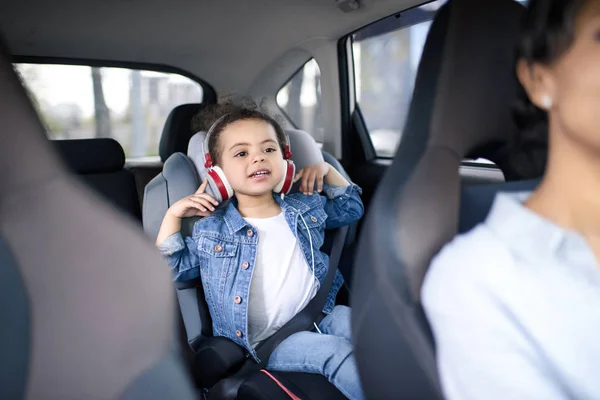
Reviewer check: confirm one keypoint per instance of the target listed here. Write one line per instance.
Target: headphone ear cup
(288, 178)
(219, 184)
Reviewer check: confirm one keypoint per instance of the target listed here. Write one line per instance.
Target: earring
(546, 102)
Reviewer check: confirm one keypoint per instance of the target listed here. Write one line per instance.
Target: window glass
(386, 57)
(300, 99)
(131, 106)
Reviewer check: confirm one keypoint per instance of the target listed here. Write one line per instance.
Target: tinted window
(300, 99)
(128, 105)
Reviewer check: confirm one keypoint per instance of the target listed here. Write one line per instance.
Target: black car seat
(178, 179)
(100, 163)
(87, 306)
(461, 108)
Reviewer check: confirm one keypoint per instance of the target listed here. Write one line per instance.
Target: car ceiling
(225, 42)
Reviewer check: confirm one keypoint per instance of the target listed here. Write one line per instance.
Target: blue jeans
(328, 353)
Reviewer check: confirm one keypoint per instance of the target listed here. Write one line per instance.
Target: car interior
(409, 99)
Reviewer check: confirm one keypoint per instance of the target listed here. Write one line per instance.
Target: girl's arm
(181, 254)
(342, 201)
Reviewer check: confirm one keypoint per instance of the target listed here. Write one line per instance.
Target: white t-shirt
(282, 282)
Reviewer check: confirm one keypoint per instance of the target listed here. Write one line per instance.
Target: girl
(515, 303)
(259, 265)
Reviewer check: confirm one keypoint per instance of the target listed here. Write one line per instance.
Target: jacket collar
(235, 222)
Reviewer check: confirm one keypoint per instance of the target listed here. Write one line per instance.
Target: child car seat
(218, 358)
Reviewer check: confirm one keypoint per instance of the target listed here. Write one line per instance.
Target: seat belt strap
(305, 319)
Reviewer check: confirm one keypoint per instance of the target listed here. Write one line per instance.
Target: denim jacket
(223, 246)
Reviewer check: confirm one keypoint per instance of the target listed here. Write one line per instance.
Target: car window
(386, 56)
(131, 106)
(300, 99)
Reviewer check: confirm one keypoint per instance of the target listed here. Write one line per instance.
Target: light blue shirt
(514, 305)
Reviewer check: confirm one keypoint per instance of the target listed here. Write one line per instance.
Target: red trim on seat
(286, 390)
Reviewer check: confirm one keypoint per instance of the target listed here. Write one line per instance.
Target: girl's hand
(311, 174)
(198, 204)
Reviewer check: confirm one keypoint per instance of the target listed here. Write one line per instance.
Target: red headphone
(221, 190)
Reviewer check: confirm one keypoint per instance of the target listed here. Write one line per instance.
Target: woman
(514, 304)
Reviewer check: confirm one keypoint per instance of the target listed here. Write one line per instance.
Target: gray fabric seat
(88, 308)
(461, 108)
(180, 178)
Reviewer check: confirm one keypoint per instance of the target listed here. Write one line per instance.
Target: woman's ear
(538, 83)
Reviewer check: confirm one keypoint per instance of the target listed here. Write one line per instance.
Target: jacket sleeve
(182, 256)
(342, 204)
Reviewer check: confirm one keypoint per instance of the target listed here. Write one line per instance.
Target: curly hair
(248, 109)
(547, 32)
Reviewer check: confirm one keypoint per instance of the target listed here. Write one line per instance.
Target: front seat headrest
(88, 306)
(461, 104)
(178, 130)
(91, 156)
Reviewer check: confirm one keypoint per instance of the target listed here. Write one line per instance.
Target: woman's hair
(547, 31)
(226, 113)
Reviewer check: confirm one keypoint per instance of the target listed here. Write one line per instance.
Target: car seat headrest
(178, 130)
(461, 104)
(21, 133)
(305, 151)
(475, 87)
(91, 156)
(73, 264)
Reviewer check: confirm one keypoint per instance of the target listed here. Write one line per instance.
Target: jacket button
(245, 265)
(218, 248)
(313, 218)
(237, 299)
(238, 333)
(250, 233)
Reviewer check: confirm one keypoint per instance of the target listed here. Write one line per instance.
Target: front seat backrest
(87, 305)
(461, 104)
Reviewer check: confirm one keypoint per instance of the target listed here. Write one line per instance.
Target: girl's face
(250, 157)
(572, 83)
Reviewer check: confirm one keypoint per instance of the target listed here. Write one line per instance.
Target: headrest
(91, 156)
(75, 289)
(178, 130)
(305, 151)
(473, 92)
(462, 104)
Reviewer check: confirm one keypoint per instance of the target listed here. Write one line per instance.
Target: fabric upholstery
(14, 328)
(95, 327)
(476, 201)
(461, 105)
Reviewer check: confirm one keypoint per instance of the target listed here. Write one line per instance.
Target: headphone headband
(208, 159)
